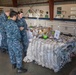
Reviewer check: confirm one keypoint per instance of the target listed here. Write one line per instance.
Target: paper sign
(57, 34)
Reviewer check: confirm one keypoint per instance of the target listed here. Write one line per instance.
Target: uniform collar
(5, 16)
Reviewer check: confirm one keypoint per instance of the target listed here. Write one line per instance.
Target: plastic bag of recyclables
(49, 54)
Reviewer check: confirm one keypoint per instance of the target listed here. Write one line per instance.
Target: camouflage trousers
(15, 52)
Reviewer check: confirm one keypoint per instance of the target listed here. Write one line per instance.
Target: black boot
(13, 66)
(21, 70)
(3, 50)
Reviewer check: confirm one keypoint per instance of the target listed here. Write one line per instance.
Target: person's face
(7, 13)
(20, 15)
(14, 18)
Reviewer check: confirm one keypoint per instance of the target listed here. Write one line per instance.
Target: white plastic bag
(29, 35)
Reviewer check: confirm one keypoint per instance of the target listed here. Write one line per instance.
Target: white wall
(65, 7)
(26, 8)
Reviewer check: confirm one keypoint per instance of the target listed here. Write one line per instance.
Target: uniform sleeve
(16, 32)
(18, 24)
(1, 23)
(25, 24)
(9, 30)
(12, 31)
(2, 20)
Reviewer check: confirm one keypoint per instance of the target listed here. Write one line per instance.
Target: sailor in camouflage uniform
(3, 19)
(13, 41)
(23, 30)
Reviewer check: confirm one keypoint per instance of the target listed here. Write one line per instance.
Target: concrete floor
(33, 69)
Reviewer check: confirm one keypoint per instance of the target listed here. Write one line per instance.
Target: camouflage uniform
(13, 41)
(3, 19)
(24, 38)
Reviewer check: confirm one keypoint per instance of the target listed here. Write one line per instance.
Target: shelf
(36, 18)
(59, 19)
(56, 19)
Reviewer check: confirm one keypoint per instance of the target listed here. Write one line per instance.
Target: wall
(26, 8)
(8, 8)
(65, 7)
(45, 7)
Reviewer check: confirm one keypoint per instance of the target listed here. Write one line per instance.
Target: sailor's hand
(21, 28)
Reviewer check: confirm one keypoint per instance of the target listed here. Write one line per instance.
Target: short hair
(13, 13)
(6, 10)
(19, 12)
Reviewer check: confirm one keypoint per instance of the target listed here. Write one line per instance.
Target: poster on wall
(59, 9)
(73, 10)
(73, 13)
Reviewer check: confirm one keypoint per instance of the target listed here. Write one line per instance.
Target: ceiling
(16, 3)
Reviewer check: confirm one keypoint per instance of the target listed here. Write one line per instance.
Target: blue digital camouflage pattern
(13, 41)
(3, 19)
(24, 38)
